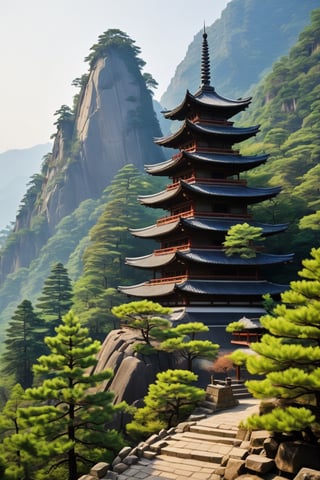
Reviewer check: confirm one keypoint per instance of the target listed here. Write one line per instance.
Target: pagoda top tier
(206, 99)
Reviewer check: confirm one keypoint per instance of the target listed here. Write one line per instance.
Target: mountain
(111, 124)
(286, 105)
(16, 168)
(244, 42)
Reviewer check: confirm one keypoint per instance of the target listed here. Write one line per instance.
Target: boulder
(99, 470)
(259, 464)
(292, 456)
(234, 468)
(307, 474)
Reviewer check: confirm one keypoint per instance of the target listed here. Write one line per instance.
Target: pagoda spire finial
(205, 61)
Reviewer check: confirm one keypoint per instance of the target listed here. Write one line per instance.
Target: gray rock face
(133, 372)
(115, 125)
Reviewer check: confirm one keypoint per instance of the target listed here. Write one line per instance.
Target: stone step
(239, 395)
(212, 431)
(193, 453)
(171, 464)
(207, 404)
(203, 437)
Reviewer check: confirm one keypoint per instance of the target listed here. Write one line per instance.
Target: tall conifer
(24, 344)
(68, 416)
(56, 296)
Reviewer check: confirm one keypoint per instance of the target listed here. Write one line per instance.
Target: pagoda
(205, 198)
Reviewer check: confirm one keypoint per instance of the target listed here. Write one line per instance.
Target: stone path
(195, 454)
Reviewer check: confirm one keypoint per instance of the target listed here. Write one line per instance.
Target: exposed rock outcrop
(133, 372)
(114, 124)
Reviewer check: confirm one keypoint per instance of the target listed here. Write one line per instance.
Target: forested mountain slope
(244, 43)
(286, 104)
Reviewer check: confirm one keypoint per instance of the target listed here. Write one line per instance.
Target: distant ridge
(16, 167)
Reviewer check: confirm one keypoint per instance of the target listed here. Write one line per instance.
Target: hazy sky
(44, 42)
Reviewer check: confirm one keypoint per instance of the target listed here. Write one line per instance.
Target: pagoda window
(237, 210)
(220, 208)
(186, 207)
(218, 175)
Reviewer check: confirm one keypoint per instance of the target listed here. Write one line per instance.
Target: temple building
(190, 270)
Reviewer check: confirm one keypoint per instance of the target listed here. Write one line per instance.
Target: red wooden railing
(191, 213)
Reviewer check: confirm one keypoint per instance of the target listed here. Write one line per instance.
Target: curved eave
(151, 261)
(223, 288)
(230, 288)
(148, 290)
(228, 133)
(247, 194)
(205, 256)
(154, 231)
(223, 225)
(237, 163)
(218, 257)
(207, 98)
(211, 225)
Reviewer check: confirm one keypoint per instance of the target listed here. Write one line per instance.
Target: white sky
(43, 44)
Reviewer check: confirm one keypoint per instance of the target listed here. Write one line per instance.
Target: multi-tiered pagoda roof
(205, 198)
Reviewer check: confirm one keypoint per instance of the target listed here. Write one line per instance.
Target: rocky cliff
(112, 124)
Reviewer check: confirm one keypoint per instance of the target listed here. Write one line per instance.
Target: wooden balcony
(207, 181)
(163, 251)
(187, 276)
(193, 213)
(177, 279)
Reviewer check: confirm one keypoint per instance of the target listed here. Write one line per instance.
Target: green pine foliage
(56, 296)
(115, 39)
(286, 106)
(66, 421)
(240, 240)
(182, 340)
(288, 356)
(17, 461)
(147, 317)
(169, 401)
(24, 344)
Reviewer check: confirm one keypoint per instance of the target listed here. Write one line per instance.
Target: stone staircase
(239, 389)
(202, 448)
(195, 450)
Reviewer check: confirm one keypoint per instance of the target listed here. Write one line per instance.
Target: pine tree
(240, 240)
(182, 340)
(68, 417)
(56, 296)
(145, 316)
(289, 356)
(24, 344)
(169, 400)
(17, 464)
